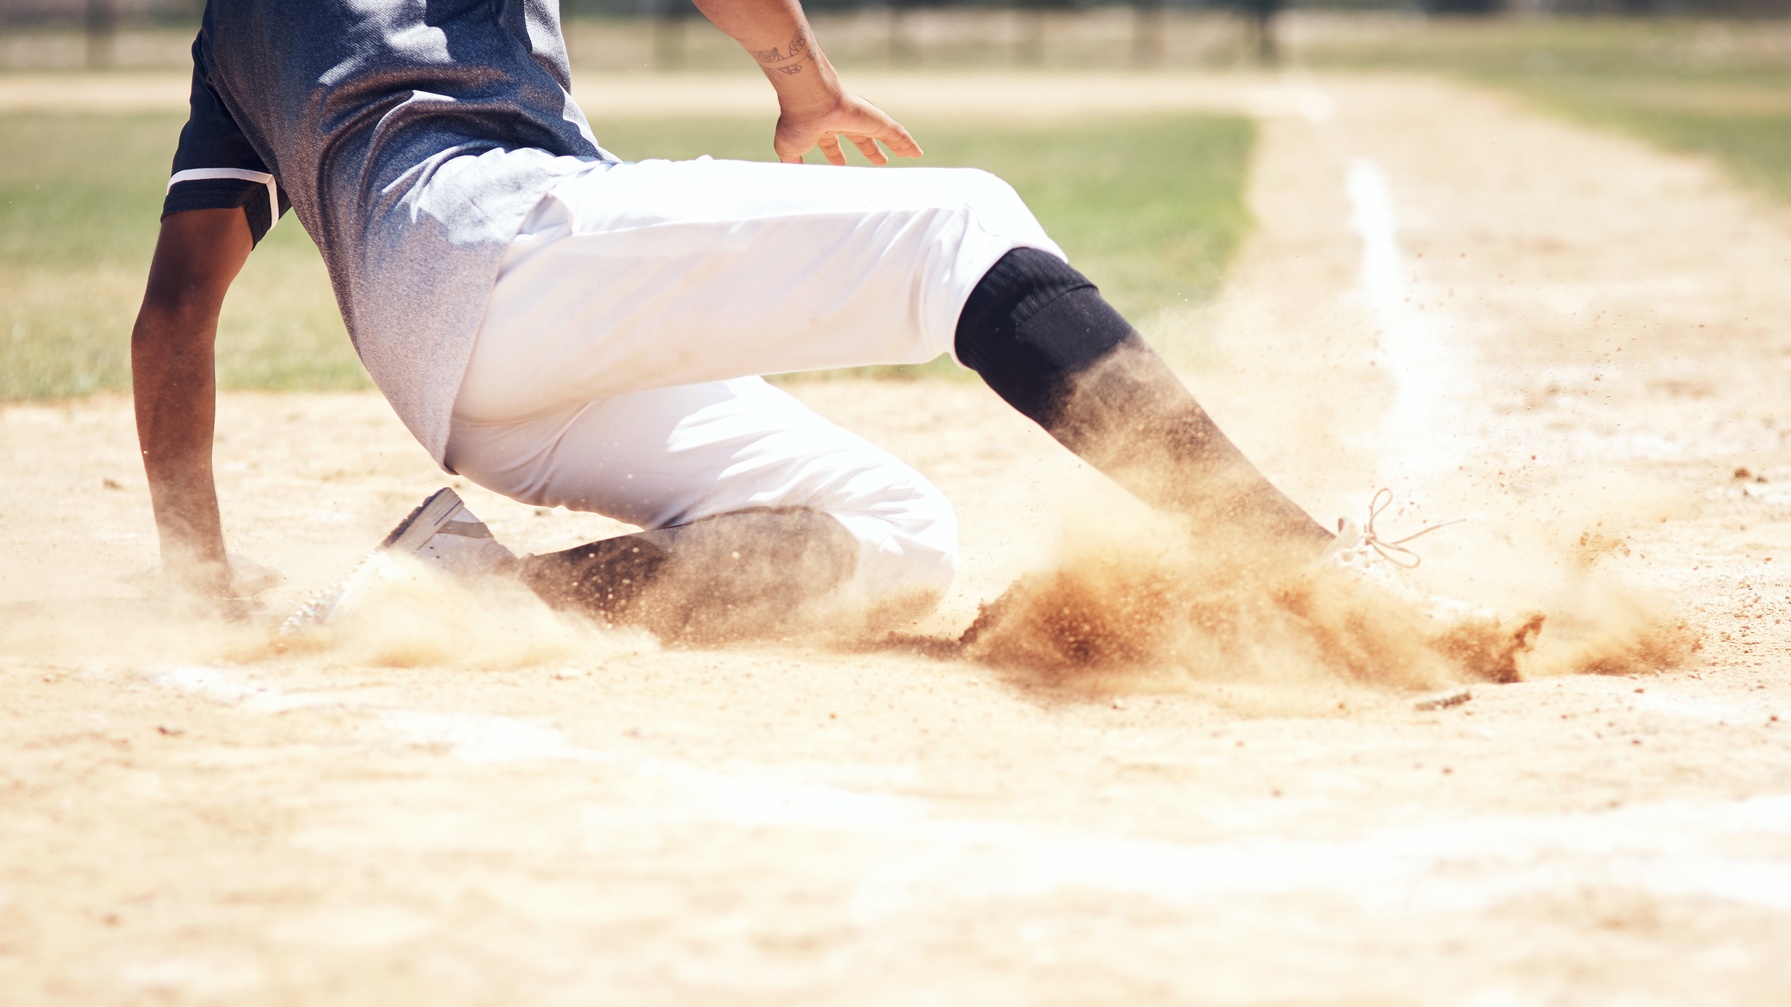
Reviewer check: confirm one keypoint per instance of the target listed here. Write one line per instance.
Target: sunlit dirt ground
(1575, 342)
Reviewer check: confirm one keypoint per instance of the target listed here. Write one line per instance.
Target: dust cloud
(414, 617)
(410, 618)
(1574, 549)
(1154, 603)
(1136, 600)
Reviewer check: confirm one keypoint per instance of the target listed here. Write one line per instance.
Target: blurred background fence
(670, 34)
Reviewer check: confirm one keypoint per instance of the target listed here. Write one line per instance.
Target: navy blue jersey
(409, 137)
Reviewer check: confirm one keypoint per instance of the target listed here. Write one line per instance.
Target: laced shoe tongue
(1362, 553)
(1391, 550)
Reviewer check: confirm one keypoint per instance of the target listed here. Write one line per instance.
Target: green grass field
(80, 197)
(1716, 88)
(1151, 208)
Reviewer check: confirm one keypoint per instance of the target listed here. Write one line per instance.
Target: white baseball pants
(616, 367)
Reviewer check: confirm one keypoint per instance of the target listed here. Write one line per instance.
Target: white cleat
(441, 533)
(1360, 552)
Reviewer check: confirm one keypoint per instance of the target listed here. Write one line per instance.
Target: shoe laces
(1393, 551)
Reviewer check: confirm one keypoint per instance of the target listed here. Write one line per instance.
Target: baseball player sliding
(568, 328)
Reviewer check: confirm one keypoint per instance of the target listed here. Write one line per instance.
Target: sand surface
(1572, 340)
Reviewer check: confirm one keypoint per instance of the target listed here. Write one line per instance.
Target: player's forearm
(174, 385)
(174, 381)
(778, 36)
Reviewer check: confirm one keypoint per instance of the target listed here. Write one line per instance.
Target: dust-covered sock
(749, 573)
(1046, 341)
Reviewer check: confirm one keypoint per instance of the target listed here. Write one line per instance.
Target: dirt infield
(1576, 342)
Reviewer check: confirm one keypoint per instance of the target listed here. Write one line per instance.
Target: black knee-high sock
(1046, 341)
(744, 574)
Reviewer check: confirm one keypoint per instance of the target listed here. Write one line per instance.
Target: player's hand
(801, 129)
(206, 587)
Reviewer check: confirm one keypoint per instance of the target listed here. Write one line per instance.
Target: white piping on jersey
(244, 174)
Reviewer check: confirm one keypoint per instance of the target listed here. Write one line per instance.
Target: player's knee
(908, 549)
(988, 187)
(997, 206)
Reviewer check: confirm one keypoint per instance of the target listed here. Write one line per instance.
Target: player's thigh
(671, 456)
(672, 273)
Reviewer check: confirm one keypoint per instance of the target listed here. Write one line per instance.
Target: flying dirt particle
(111, 484)
(1594, 545)
(1443, 700)
(171, 730)
(1742, 472)
(1119, 704)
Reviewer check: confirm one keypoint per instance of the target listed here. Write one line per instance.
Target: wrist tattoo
(773, 56)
